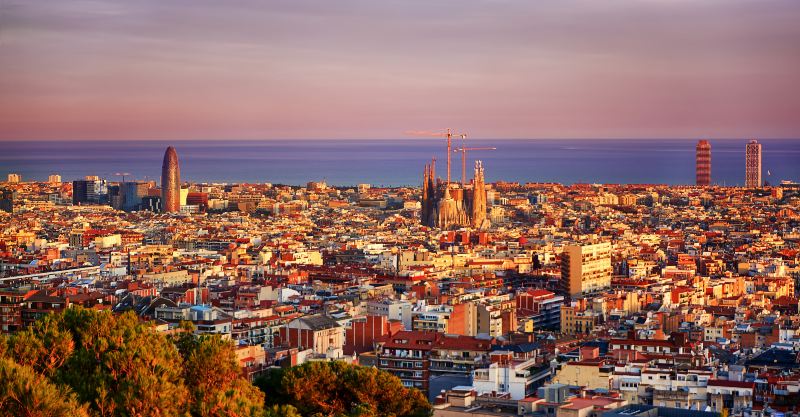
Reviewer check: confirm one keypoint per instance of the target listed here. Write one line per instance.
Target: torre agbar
(170, 182)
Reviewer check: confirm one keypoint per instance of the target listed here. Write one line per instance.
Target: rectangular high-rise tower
(92, 191)
(586, 268)
(752, 165)
(703, 163)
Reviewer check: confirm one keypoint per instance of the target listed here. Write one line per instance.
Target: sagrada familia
(449, 205)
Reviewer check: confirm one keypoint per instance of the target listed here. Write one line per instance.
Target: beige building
(577, 322)
(319, 333)
(591, 374)
(586, 269)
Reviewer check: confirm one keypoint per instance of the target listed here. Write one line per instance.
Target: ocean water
(399, 162)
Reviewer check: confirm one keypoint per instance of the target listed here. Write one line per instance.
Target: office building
(151, 203)
(132, 195)
(89, 191)
(703, 163)
(14, 178)
(6, 200)
(54, 179)
(752, 165)
(539, 309)
(586, 269)
(197, 199)
(115, 197)
(170, 182)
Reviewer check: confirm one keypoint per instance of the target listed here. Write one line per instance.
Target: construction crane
(463, 151)
(449, 135)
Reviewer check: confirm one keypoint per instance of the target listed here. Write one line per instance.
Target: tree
(270, 383)
(45, 346)
(23, 392)
(338, 388)
(121, 367)
(3, 346)
(215, 382)
(281, 411)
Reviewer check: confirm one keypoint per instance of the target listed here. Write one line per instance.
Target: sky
(285, 69)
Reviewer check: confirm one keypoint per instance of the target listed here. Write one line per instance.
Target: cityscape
(246, 209)
(534, 298)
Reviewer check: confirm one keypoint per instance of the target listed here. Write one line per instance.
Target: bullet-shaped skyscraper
(703, 163)
(752, 165)
(170, 182)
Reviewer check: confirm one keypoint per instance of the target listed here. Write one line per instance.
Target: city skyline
(395, 163)
(570, 69)
(400, 208)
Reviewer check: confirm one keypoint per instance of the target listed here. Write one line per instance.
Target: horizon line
(414, 138)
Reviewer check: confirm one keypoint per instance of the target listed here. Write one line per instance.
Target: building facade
(703, 163)
(586, 269)
(170, 182)
(752, 167)
(406, 354)
(448, 205)
(89, 191)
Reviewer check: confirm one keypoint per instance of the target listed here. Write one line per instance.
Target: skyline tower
(170, 182)
(703, 163)
(752, 165)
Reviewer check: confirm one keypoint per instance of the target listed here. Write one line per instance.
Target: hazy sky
(195, 69)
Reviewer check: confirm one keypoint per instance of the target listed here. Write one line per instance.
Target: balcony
(458, 359)
(455, 368)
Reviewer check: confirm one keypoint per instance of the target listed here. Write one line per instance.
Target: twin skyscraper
(752, 169)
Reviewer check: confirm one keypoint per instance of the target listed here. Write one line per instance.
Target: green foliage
(121, 366)
(23, 392)
(341, 389)
(281, 411)
(271, 384)
(84, 362)
(3, 346)
(45, 346)
(216, 385)
(115, 364)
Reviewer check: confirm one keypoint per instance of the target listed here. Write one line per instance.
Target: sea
(399, 162)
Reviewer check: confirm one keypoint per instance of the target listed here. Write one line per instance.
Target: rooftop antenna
(122, 174)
